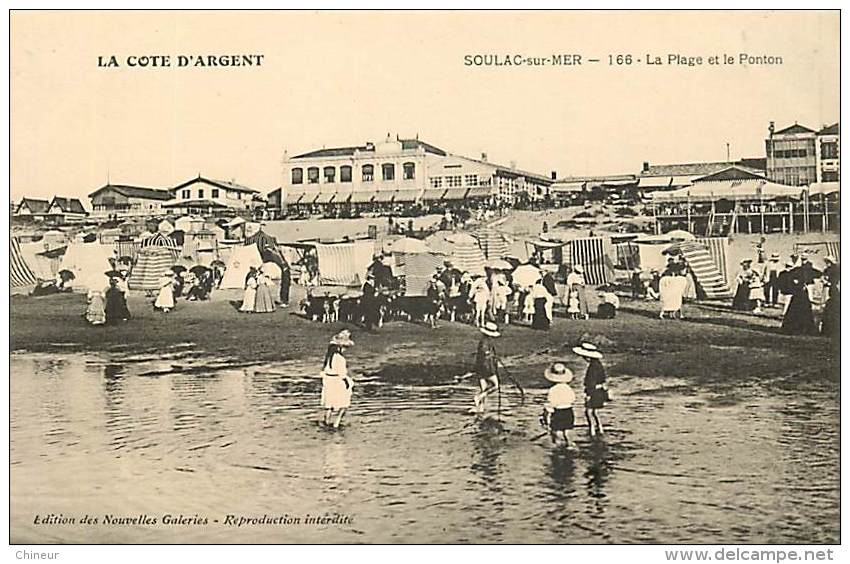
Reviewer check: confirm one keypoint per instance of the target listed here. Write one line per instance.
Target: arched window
(368, 173)
(313, 175)
(388, 171)
(345, 173)
(409, 171)
(330, 174)
(298, 175)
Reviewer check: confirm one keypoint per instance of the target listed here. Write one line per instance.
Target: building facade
(394, 174)
(213, 197)
(32, 209)
(120, 201)
(66, 210)
(792, 155)
(829, 154)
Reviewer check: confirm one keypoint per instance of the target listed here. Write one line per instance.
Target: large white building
(397, 172)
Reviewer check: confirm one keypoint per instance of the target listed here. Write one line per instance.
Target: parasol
(199, 270)
(66, 275)
(526, 275)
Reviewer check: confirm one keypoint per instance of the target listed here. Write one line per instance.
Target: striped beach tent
(590, 253)
(417, 269)
(20, 274)
(344, 264)
(153, 261)
(706, 272)
(493, 244)
(717, 248)
(160, 240)
(466, 255)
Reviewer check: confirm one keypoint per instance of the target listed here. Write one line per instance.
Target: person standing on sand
(771, 280)
(336, 384)
(264, 300)
(116, 303)
(486, 365)
(249, 298)
(285, 284)
(595, 387)
(558, 414)
(95, 310)
(165, 298)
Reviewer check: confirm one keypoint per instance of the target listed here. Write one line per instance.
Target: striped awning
(343, 196)
(480, 192)
(383, 196)
(293, 198)
(324, 197)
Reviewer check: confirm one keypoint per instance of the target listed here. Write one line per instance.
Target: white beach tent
(88, 262)
(238, 264)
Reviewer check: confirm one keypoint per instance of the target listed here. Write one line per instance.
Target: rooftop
(794, 129)
(227, 185)
(135, 192)
(68, 205)
(701, 169)
(406, 144)
(830, 130)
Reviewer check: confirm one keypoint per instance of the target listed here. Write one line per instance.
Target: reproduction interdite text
(170, 519)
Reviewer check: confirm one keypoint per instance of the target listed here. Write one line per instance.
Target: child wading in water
(595, 388)
(485, 365)
(558, 414)
(336, 384)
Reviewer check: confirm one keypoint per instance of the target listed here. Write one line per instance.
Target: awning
(383, 196)
(325, 197)
(432, 194)
(682, 180)
(362, 197)
(343, 196)
(405, 196)
(293, 198)
(455, 194)
(480, 192)
(567, 187)
(655, 181)
(823, 188)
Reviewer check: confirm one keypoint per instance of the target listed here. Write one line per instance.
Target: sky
(344, 78)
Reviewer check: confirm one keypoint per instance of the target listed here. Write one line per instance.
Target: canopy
(238, 265)
(752, 189)
(88, 262)
(408, 245)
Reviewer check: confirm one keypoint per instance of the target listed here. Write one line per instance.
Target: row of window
(457, 180)
(187, 194)
(345, 173)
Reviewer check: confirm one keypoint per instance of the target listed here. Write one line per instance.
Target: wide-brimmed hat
(342, 339)
(578, 268)
(830, 258)
(774, 256)
(587, 350)
(747, 261)
(490, 329)
(558, 373)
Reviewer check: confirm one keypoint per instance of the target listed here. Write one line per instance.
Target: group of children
(558, 416)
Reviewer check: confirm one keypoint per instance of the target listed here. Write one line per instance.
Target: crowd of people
(794, 287)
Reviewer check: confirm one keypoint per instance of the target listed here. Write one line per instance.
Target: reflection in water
(678, 463)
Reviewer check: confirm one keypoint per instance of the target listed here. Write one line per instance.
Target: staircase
(720, 225)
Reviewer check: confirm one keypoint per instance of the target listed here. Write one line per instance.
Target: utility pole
(728, 154)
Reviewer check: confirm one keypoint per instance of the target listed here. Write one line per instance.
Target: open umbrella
(217, 263)
(178, 269)
(199, 270)
(66, 275)
(113, 274)
(526, 275)
(409, 245)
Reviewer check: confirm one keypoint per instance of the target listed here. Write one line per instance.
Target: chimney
(645, 166)
(554, 175)
(484, 157)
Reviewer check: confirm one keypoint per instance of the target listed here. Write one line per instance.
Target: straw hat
(578, 268)
(558, 373)
(587, 350)
(342, 339)
(774, 256)
(490, 329)
(747, 261)
(830, 258)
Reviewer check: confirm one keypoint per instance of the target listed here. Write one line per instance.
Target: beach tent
(593, 254)
(718, 248)
(20, 273)
(407, 245)
(160, 240)
(705, 271)
(238, 264)
(493, 244)
(45, 264)
(151, 264)
(344, 264)
(88, 262)
(461, 248)
(417, 270)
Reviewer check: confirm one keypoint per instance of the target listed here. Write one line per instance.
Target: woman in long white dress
(165, 297)
(672, 289)
(575, 295)
(336, 384)
(249, 298)
(264, 301)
